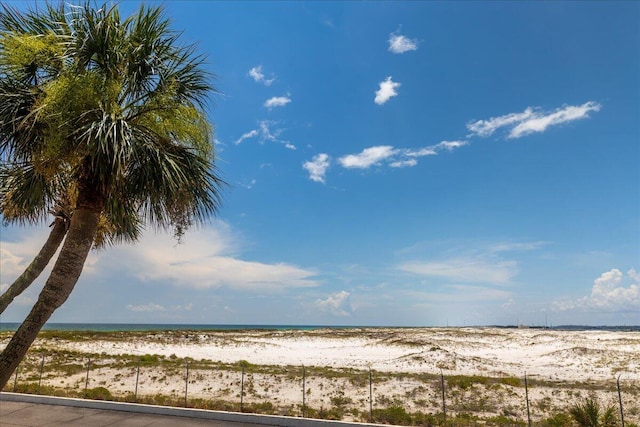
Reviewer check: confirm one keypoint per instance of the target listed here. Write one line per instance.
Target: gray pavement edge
(267, 420)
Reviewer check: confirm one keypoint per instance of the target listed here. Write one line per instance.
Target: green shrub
(392, 415)
(98, 393)
(465, 381)
(512, 381)
(149, 358)
(558, 420)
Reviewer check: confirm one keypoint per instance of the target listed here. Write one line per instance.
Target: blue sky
(397, 163)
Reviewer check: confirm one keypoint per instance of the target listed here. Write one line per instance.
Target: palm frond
(119, 106)
(26, 195)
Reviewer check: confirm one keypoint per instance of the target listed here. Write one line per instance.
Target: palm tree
(588, 413)
(114, 109)
(108, 233)
(59, 227)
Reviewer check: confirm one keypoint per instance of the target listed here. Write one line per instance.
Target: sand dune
(562, 366)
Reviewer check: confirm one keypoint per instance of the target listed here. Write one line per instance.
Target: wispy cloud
(541, 122)
(531, 120)
(336, 304)
(277, 101)
(401, 44)
(206, 259)
(251, 134)
(150, 307)
(386, 91)
(608, 294)
(404, 163)
(267, 131)
(395, 157)
(450, 145)
(368, 157)
(248, 185)
(258, 76)
(468, 270)
(153, 307)
(467, 263)
(317, 167)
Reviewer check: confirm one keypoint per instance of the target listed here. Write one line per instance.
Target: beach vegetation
(392, 415)
(589, 412)
(560, 419)
(465, 381)
(474, 400)
(511, 381)
(149, 358)
(98, 393)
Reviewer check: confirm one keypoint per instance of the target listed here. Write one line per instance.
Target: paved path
(23, 414)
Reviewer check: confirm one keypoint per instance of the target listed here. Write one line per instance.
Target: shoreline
(160, 327)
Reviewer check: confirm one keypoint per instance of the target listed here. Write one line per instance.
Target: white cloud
(541, 122)
(486, 128)
(421, 152)
(368, 157)
(404, 163)
(15, 257)
(387, 91)
(336, 304)
(475, 270)
(11, 264)
(206, 259)
(531, 120)
(153, 307)
(267, 131)
(516, 246)
(248, 185)
(317, 167)
(608, 293)
(150, 307)
(450, 145)
(277, 101)
(258, 76)
(251, 134)
(401, 44)
(395, 157)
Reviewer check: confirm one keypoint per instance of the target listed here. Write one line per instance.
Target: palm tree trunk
(59, 285)
(38, 264)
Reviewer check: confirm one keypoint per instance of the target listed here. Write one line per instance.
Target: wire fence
(426, 398)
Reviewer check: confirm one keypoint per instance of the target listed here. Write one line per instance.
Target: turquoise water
(118, 327)
(111, 327)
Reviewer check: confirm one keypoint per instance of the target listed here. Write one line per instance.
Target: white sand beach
(563, 366)
(561, 355)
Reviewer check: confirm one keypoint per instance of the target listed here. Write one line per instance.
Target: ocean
(123, 327)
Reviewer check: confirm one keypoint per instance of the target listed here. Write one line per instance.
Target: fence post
(620, 401)
(526, 394)
(304, 394)
(15, 379)
(86, 381)
(242, 390)
(444, 404)
(186, 385)
(41, 369)
(135, 394)
(370, 395)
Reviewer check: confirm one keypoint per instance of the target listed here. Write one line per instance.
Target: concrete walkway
(27, 410)
(13, 414)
